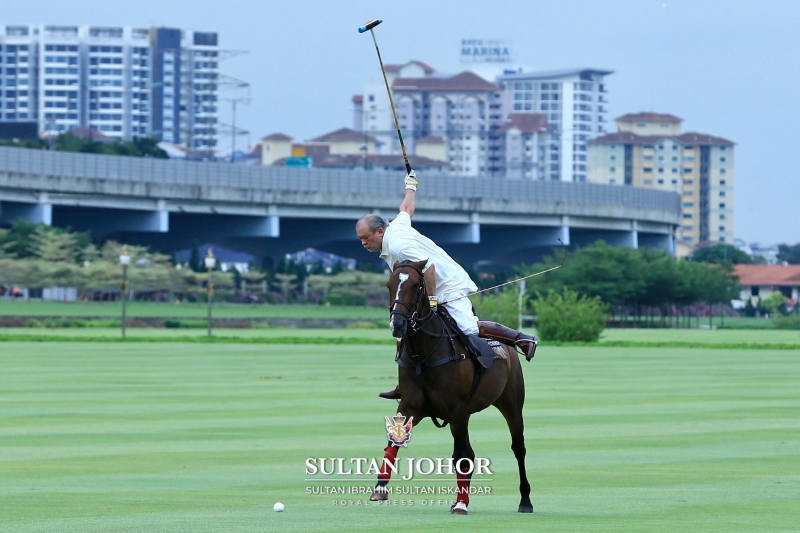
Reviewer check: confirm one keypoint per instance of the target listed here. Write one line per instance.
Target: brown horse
(437, 382)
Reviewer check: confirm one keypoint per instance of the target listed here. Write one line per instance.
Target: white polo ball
(278, 507)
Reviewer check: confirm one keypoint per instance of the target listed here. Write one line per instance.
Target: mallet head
(369, 25)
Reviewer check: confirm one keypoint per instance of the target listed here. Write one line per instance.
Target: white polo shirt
(401, 242)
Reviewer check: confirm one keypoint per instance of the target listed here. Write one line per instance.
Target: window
(722, 228)
(648, 170)
(753, 291)
(687, 170)
(674, 170)
(722, 216)
(687, 215)
(688, 182)
(722, 182)
(674, 182)
(613, 157)
(722, 171)
(613, 169)
(722, 159)
(722, 193)
(661, 171)
(661, 182)
(722, 205)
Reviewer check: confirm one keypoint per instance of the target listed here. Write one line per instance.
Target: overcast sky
(728, 67)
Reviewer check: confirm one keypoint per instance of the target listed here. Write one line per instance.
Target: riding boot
(393, 394)
(527, 343)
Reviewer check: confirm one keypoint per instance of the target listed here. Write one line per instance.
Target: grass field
(10, 307)
(382, 335)
(178, 437)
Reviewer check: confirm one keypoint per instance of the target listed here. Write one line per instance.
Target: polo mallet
(368, 26)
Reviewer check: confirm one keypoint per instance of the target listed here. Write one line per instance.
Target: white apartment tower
(120, 81)
(575, 104)
(462, 109)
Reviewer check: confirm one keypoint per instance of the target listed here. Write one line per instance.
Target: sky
(727, 67)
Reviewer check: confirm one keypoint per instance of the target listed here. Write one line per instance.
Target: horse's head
(408, 295)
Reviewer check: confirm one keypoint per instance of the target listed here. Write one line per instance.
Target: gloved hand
(411, 181)
(433, 302)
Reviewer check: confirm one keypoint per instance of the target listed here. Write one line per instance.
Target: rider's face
(371, 240)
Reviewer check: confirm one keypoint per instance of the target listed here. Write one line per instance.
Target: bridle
(415, 322)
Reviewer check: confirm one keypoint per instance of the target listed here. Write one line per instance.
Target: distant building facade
(120, 81)
(479, 121)
(575, 104)
(649, 150)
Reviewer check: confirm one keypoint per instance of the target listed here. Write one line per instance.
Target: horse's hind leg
(510, 405)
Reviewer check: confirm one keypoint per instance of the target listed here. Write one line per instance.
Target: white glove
(411, 181)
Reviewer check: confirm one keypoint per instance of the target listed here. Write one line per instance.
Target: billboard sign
(486, 51)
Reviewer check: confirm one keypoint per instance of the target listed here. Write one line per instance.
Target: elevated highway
(275, 210)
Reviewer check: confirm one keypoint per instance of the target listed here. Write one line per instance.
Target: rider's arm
(409, 203)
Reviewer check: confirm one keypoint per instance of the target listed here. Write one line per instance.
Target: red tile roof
(702, 138)
(466, 81)
(342, 135)
(358, 98)
(526, 122)
(277, 137)
(624, 137)
(762, 275)
(649, 117)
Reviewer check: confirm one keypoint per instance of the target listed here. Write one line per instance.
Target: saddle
(477, 348)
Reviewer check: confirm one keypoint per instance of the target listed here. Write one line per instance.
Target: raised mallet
(368, 27)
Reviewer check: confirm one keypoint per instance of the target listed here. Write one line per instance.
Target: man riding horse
(446, 280)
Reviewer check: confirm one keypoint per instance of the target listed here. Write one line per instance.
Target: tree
(775, 303)
(721, 253)
(48, 244)
(500, 306)
(789, 253)
(565, 316)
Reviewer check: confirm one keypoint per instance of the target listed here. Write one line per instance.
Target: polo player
(446, 280)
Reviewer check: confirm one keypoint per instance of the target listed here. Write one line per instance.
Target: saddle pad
(497, 348)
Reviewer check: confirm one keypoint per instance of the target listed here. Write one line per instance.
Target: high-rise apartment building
(120, 81)
(575, 104)
(528, 125)
(463, 110)
(650, 151)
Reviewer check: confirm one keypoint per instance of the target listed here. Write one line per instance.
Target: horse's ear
(420, 265)
(395, 265)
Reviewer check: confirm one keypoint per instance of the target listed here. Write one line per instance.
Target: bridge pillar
(145, 221)
(657, 240)
(469, 233)
(246, 226)
(41, 213)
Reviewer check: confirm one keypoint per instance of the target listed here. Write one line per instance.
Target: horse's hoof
(379, 494)
(525, 509)
(459, 508)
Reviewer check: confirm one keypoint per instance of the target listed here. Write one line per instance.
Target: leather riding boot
(493, 330)
(391, 394)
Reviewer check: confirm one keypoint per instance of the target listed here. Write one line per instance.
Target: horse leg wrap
(389, 458)
(463, 489)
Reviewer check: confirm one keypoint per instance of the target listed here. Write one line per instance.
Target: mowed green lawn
(9, 307)
(174, 437)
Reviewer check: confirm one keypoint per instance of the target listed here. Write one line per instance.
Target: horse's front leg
(462, 449)
(381, 491)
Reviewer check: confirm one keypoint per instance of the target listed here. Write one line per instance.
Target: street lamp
(124, 260)
(210, 261)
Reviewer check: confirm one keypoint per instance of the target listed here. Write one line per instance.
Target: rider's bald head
(371, 222)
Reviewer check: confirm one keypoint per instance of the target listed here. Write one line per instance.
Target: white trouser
(461, 311)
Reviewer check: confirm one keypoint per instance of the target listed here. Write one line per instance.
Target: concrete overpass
(276, 210)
